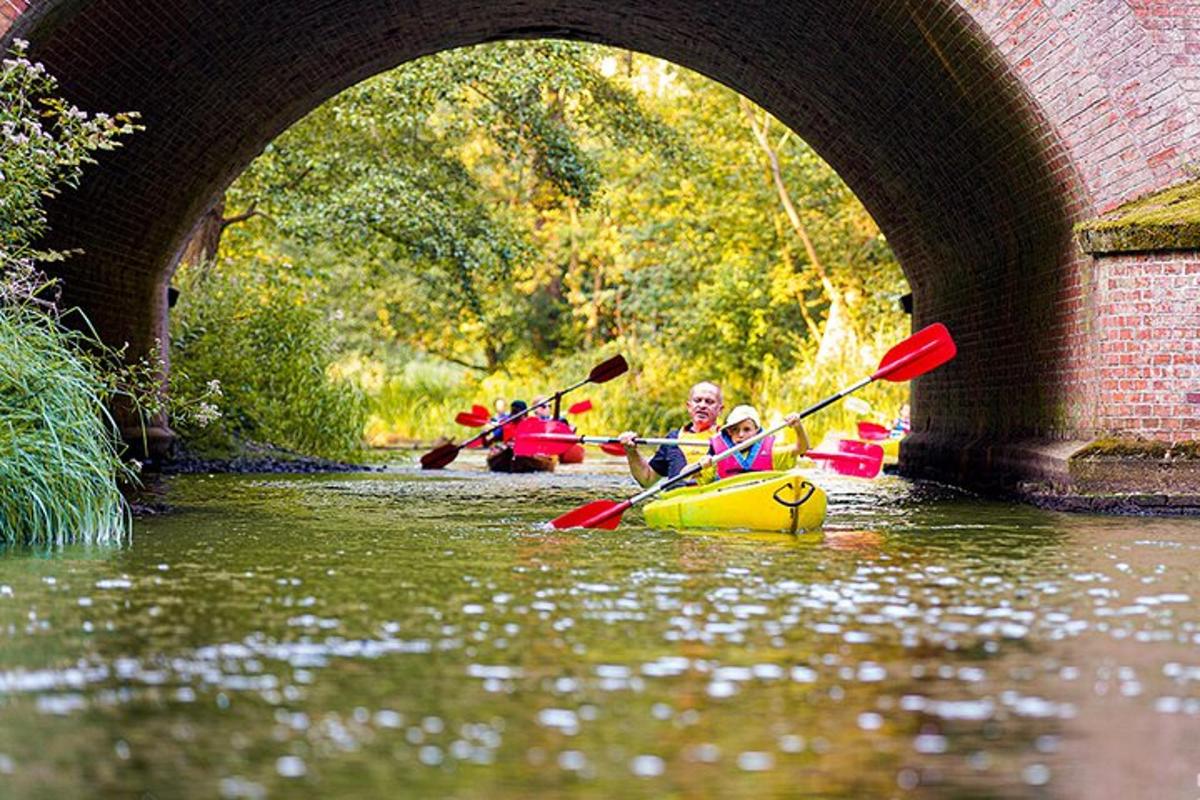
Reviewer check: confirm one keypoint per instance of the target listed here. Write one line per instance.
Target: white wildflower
(206, 413)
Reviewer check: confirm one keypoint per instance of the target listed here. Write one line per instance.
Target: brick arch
(975, 133)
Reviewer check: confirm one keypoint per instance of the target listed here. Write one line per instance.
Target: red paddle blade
(602, 514)
(580, 407)
(479, 411)
(439, 457)
(550, 444)
(856, 468)
(872, 432)
(607, 370)
(613, 448)
(470, 420)
(864, 462)
(859, 458)
(925, 350)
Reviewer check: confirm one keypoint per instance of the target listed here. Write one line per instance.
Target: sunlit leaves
(439, 176)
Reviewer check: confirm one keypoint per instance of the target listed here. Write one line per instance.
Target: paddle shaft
(639, 440)
(572, 438)
(688, 472)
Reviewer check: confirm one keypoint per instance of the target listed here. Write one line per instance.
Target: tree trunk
(839, 339)
(206, 237)
(201, 250)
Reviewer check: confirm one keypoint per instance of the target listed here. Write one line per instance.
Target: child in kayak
(505, 433)
(768, 454)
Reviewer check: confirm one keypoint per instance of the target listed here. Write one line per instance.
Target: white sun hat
(740, 413)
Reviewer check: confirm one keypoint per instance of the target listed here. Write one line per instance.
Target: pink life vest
(757, 459)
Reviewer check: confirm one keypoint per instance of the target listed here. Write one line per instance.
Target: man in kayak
(765, 455)
(704, 406)
(542, 412)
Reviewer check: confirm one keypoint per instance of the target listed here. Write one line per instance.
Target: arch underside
(911, 103)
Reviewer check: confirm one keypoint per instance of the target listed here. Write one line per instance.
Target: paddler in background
(500, 410)
(545, 413)
(503, 434)
(542, 412)
(704, 406)
(763, 456)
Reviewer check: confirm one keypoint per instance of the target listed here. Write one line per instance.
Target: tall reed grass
(59, 459)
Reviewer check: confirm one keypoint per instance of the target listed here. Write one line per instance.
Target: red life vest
(757, 459)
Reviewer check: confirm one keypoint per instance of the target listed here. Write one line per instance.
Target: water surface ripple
(420, 635)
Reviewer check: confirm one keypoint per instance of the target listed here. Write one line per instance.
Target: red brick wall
(1148, 330)
(9, 11)
(1118, 80)
(1118, 83)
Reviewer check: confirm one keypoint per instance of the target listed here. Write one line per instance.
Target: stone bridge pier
(1028, 161)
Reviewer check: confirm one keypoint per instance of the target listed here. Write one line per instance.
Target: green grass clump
(59, 462)
(264, 340)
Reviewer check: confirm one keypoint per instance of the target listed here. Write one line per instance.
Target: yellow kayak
(891, 450)
(756, 501)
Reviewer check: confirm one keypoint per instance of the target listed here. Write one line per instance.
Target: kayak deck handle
(794, 503)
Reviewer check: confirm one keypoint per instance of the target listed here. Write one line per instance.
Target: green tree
(430, 179)
(519, 206)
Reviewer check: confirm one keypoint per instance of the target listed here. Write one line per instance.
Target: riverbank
(258, 458)
(149, 499)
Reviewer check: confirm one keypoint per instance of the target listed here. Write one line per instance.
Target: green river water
(401, 634)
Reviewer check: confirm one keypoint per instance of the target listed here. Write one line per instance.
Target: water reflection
(356, 634)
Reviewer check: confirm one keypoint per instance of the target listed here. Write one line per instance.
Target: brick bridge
(989, 139)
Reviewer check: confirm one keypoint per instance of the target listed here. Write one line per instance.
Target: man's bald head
(707, 387)
(704, 405)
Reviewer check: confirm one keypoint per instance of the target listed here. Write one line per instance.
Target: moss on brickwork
(1165, 220)
(1138, 448)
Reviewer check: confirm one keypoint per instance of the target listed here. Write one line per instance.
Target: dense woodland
(488, 222)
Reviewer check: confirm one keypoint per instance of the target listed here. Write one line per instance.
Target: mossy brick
(1160, 221)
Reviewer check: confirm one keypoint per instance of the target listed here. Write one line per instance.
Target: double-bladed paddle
(603, 372)
(555, 444)
(925, 350)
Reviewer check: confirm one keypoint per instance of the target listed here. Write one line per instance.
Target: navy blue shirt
(669, 460)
